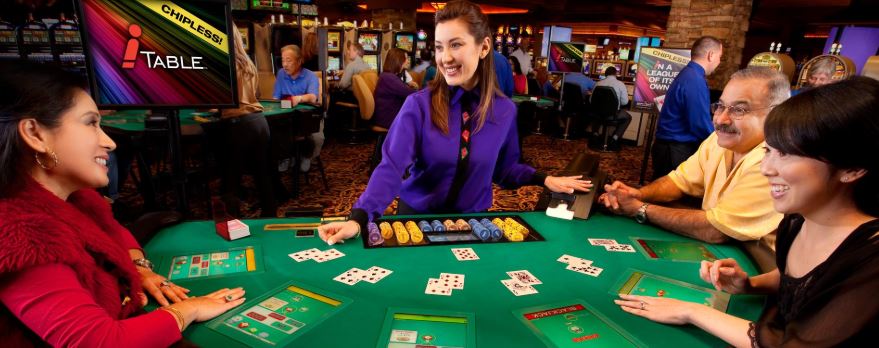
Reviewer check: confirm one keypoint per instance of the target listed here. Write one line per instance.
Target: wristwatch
(641, 215)
(143, 263)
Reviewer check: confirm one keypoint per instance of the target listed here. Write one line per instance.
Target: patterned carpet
(346, 168)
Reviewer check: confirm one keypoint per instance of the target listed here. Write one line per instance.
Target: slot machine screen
(369, 41)
(372, 60)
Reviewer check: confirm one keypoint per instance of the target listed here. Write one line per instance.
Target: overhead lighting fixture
(438, 5)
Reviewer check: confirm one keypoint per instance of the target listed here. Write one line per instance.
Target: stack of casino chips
(386, 230)
(425, 226)
(375, 236)
(450, 225)
(516, 226)
(513, 231)
(462, 225)
(496, 232)
(401, 232)
(437, 226)
(414, 232)
(479, 230)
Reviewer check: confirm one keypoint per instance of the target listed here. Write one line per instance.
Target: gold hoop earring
(54, 160)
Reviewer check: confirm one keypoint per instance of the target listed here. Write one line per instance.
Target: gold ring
(166, 283)
(642, 305)
(228, 298)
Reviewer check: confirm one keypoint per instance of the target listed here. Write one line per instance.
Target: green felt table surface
(542, 102)
(132, 120)
(360, 324)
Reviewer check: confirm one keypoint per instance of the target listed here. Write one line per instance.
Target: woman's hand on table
(725, 275)
(207, 307)
(338, 232)
(160, 288)
(659, 309)
(567, 184)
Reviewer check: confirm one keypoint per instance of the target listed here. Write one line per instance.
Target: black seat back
(605, 103)
(572, 98)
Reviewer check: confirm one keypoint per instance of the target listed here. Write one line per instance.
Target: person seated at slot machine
(622, 117)
(822, 294)
(391, 91)
(354, 65)
(456, 137)
(820, 73)
(424, 59)
(299, 85)
(724, 172)
(71, 275)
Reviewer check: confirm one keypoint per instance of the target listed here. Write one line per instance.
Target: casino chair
(300, 138)
(366, 100)
(357, 131)
(572, 107)
(418, 77)
(605, 106)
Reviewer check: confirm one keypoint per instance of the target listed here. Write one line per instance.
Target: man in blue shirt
(580, 79)
(504, 73)
(685, 118)
(298, 85)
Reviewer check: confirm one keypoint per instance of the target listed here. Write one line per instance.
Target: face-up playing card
(437, 287)
(327, 255)
(524, 277)
(455, 281)
(625, 248)
(304, 255)
(465, 254)
(598, 241)
(573, 260)
(349, 277)
(517, 288)
(588, 270)
(374, 274)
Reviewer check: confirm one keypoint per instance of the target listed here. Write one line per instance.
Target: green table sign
(212, 263)
(686, 251)
(646, 284)
(574, 324)
(411, 328)
(279, 317)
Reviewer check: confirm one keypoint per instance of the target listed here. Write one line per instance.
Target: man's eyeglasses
(735, 111)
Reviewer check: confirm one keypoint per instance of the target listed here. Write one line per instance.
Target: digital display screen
(372, 60)
(160, 53)
(369, 41)
(404, 41)
(565, 57)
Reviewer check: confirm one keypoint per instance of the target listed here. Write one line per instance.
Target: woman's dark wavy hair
(29, 90)
(837, 124)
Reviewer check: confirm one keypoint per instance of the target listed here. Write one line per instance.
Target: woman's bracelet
(177, 315)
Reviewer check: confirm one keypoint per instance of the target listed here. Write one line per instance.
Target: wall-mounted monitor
(404, 41)
(155, 54)
(565, 57)
(554, 33)
(602, 65)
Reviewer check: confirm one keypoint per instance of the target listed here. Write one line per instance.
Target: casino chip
(462, 225)
(425, 226)
(400, 232)
(450, 225)
(437, 226)
(386, 230)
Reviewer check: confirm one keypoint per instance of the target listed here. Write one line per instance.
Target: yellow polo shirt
(736, 197)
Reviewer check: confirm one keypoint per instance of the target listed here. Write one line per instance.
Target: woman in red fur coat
(68, 273)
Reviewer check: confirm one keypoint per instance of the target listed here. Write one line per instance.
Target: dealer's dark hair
(29, 90)
(817, 125)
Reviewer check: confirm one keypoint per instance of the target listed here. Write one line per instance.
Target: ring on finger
(228, 298)
(642, 305)
(166, 283)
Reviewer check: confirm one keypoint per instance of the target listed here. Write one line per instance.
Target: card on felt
(350, 277)
(456, 281)
(517, 288)
(524, 277)
(375, 274)
(625, 248)
(465, 254)
(327, 255)
(304, 255)
(573, 260)
(600, 241)
(437, 287)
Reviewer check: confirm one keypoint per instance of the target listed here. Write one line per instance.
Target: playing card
(598, 241)
(573, 260)
(626, 248)
(456, 281)
(327, 255)
(588, 270)
(437, 287)
(304, 255)
(349, 277)
(374, 274)
(518, 288)
(465, 254)
(524, 277)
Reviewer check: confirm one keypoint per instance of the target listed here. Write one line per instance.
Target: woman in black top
(824, 176)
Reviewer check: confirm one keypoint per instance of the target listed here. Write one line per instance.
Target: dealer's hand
(338, 232)
(567, 184)
(160, 288)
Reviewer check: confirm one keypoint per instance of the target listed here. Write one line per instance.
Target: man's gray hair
(777, 84)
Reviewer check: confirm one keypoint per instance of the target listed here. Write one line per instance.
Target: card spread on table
(580, 265)
(316, 254)
(599, 241)
(355, 275)
(465, 254)
(456, 281)
(623, 248)
(518, 288)
(573, 260)
(444, 284)
(524, 277)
